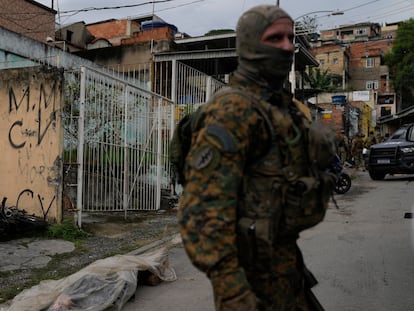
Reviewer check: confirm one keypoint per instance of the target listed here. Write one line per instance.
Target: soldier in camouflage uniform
(250, 187)
(357, 146)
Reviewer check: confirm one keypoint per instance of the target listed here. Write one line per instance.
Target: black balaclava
(266, 65)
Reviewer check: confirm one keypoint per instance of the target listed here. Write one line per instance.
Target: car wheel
(376, 175)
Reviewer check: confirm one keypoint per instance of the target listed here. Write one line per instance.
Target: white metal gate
(117, 133)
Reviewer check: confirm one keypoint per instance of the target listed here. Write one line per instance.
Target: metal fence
(116, 139)
(193, 88)
(116, 133)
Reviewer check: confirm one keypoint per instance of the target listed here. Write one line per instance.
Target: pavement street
(191, 291)
(26, 253)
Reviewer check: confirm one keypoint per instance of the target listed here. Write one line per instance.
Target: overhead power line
(70, 13)
(119, 6)
(379, 11)
(361, 5)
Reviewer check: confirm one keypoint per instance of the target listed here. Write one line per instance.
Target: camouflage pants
(280, 285)
(342, 154)
(359, 162)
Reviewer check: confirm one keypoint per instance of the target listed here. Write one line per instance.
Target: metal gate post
(81, 138)
(173, 94)
(209, 87)
(125, 198)
(159, 152)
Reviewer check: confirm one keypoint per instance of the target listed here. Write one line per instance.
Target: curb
(157, 244)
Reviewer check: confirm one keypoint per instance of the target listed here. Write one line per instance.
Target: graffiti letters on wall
(31, 128)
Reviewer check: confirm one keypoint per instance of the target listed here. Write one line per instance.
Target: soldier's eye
(274, 38)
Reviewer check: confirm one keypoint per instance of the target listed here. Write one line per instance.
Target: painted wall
(31, 143)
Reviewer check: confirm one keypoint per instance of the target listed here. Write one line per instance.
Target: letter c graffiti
(17, 146)
(30, 192)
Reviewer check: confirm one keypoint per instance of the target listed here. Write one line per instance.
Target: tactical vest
(282, 193)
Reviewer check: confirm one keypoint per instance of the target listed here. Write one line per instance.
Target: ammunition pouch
(306, 200)
(271, 210)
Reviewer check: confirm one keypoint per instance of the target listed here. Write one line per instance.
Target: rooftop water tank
(148, 25)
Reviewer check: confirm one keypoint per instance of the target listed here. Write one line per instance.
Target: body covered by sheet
(106, 283)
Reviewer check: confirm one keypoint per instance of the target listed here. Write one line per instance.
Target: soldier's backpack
(181, 141)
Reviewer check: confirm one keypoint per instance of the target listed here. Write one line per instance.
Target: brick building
(353, 55)
(114, 30)
(368, 72)
(130, 31)
(335, 59)
(351, 33)
(367, 68)
(28, 18)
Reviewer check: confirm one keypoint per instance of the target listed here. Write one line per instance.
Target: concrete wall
(31, 144)
(14, 43)
(333, 60)
(73, 37)
(126, 55)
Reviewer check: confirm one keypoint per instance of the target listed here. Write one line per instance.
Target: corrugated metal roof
(182, 55)
(205, 38)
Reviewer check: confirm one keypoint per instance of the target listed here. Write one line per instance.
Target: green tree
(307, 27)
(401, 62)
(214, 32)
(320, 79)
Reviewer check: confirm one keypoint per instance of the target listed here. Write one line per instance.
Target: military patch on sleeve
(206, 158)
(222, 135)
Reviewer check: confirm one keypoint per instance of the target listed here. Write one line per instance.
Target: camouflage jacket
(232, 135)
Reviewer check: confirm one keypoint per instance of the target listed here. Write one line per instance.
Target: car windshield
(399, 134)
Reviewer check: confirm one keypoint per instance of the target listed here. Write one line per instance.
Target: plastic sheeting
(106, 283)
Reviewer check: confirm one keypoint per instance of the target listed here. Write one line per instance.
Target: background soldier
(370, 140)
(254, 176)
(342, 146)
(357, 146)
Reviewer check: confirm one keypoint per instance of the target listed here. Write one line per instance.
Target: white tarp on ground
(108, 282)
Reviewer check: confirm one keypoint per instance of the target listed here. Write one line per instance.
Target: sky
(197, 17)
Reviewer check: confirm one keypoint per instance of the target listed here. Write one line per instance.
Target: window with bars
(372, 85)
(370, 62)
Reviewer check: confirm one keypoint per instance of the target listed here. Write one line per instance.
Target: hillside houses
(353, 56)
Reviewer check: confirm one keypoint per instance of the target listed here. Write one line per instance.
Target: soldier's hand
(244, 302)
